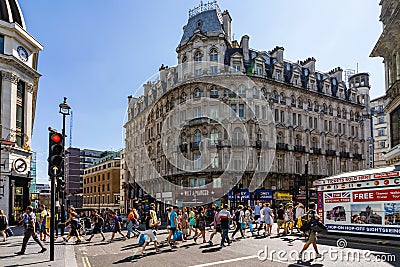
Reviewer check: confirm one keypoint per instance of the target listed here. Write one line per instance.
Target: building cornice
(14, 62)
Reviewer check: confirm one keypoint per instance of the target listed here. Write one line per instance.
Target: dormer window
(198, 57)
(213, 55)
(278, 75)
(259, 70)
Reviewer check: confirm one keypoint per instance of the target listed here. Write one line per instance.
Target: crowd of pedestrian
(182, 224)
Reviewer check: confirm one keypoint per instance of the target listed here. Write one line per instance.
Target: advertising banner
(369, 211)
(241, 195)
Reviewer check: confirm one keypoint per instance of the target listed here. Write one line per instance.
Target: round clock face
(20, 165)
(23, 54)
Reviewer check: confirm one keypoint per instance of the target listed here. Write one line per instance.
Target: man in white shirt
(30, 231)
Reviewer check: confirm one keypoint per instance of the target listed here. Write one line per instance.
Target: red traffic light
(56, 138)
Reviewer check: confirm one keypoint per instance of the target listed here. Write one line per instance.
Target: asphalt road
(280, 251)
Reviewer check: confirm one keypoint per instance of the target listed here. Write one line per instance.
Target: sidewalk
(361, 239)
(64, 255)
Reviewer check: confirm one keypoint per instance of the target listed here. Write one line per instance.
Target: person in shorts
(98, 222)
(201, 225)
(217, 225)
(312, 238)
(117, 226)
(281, 218)
(43, 216)
(150, 226)
(185, 223)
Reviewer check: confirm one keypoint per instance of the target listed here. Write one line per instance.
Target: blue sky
(97, 52)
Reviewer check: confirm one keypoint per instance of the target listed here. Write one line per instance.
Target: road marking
(225, 261)
(86, 262)
(245, 258)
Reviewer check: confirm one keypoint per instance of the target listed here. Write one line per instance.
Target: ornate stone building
(19, 53)
(387, 47)
(283, 115)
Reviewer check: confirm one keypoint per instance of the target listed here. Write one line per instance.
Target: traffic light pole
(52, 216)
(63, 191)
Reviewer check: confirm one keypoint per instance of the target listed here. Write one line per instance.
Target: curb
(362, 240)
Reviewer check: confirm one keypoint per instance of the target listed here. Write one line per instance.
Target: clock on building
(23, 54)
(20, 165)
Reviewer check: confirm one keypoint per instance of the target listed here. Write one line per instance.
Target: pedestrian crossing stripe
(86, 262)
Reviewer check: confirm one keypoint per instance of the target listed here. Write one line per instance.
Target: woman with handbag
(312, 238)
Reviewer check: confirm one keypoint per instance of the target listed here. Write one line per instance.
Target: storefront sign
(241, 195)
(197, 195)
(263, 194)
(283, 196)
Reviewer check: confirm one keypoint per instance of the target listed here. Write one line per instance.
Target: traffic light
(60, 185)
(56, 157)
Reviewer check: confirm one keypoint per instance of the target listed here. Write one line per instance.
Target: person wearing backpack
(3, 225)
(312, 238)
(239, 219)
(98, 223)
(133, 223)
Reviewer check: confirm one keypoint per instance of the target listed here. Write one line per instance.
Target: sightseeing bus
(361, 202)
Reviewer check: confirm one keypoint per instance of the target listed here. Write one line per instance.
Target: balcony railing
(261, 144)
(344, 154)
(282, 146)
(298, 148)
(330, 152)
(315, 150)
(357, 156)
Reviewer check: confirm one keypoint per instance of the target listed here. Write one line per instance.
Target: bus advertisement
(363, 202)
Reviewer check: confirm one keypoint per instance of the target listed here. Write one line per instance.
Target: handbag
(9, 232)
(178, 235)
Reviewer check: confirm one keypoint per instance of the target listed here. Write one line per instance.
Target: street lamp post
(65, 111)
(99, 197)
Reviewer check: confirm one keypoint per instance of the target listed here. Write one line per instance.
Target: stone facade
(387, 47)
(19, 53)
(283, 115)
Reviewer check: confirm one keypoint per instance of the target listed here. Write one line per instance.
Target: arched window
(330, 110)
(324, 108)
(263, 92)
(316, 106)
(197, 92)
(357, 116)
(279, 139)
(214, 136)
(351, 115)
(292, 100)
(281, 98)
(213, 55)
(198, 57)
(274, 95)
(299, 103)
(197, 137)
(344, 114)
(309, 104)
(339, 112)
